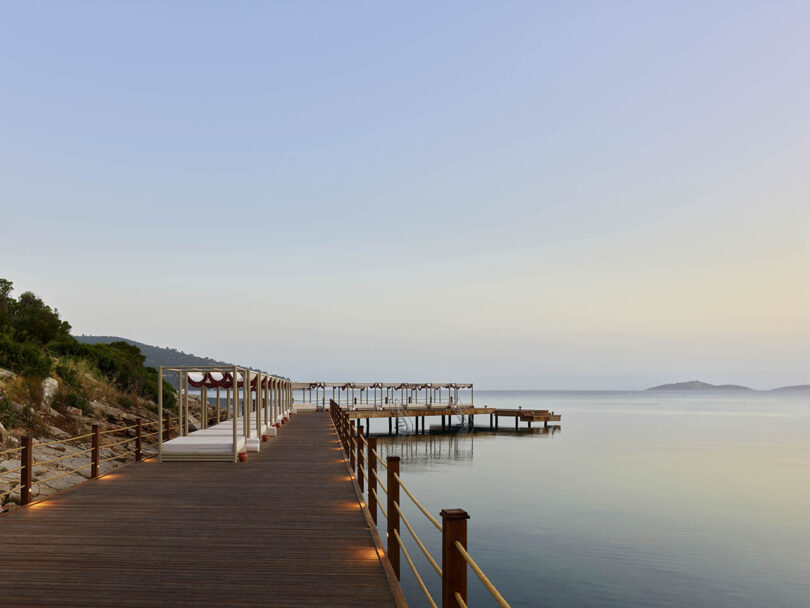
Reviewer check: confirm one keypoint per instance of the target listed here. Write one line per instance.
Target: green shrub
(126, 402)
(31, 332)
(23, 358)
(9, 413)
(77, 401)
(67, 373)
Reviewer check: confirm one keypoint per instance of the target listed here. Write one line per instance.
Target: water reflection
(419, 450)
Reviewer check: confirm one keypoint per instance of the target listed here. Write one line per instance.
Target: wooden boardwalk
(283, 529)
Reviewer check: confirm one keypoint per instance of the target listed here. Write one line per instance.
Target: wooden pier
(420, 413)
(285, 528)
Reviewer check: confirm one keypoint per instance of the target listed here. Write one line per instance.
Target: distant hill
(697, 385)
(798, 388)
(157, 356)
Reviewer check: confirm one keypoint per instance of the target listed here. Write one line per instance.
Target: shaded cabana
(255, 405)
(383, 393)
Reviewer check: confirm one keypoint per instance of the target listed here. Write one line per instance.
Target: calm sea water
(639, 499)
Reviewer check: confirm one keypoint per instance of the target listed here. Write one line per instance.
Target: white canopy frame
(264, 398)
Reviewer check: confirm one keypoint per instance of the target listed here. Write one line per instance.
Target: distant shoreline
(798, 388)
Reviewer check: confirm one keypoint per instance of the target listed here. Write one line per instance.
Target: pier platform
(544, 416)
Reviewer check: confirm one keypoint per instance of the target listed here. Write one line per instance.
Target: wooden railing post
(454, 567)
(393, 514)
(26, 461)
(96, 451)
(138, 444)
(372, 478)
(360, 478)
(351, 446)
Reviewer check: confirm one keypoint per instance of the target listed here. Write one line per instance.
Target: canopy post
(185, 379)
(179, 403)
(259, 406)
(160, 413)
(235, 384)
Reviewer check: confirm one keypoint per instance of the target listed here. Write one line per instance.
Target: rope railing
(65, 474)
(65, 457)
(112, 445)
(60, 441)
(379, 506)
(380, 460)
(414, 570)
(28, 462)
(418, 540)
(116, 457)
(12, 471)
(11, 491)
(118, 430)
(453, 525)
(382, 487)
(421, 507)
(481, 576)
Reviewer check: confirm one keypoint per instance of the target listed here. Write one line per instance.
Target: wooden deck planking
(282, 529)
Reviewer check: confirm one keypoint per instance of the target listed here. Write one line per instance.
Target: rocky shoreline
(54, 425)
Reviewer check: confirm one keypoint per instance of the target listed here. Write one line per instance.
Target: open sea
(638, 499)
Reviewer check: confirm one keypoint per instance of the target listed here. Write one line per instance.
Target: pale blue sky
(567, 195)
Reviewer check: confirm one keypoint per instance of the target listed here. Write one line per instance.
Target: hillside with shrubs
(54, 387)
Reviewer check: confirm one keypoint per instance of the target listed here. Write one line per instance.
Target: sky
(588, 195)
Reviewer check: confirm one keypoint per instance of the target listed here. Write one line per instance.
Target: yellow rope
(459, 601)
(7, 492)
(418, 541)
(379, 504)
(42, 445)
(12, 471)
(118, 429)
(65, 457)
(380, 459)
(11, 450)
(66, 473)
(482, 577)
(380, 485)
(124, 455)
(415, 573)
(112, 445)
(432, 519)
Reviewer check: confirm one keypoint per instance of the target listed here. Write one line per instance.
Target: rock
(5, 373)
(48, 410)
(56, 433)
(9, 441)
(73, 411)
(193, 423)
(62, 483)
(112, 414)
(9, 465)
(49, 390)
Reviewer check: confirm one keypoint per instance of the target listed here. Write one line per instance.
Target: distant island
(697, 385)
